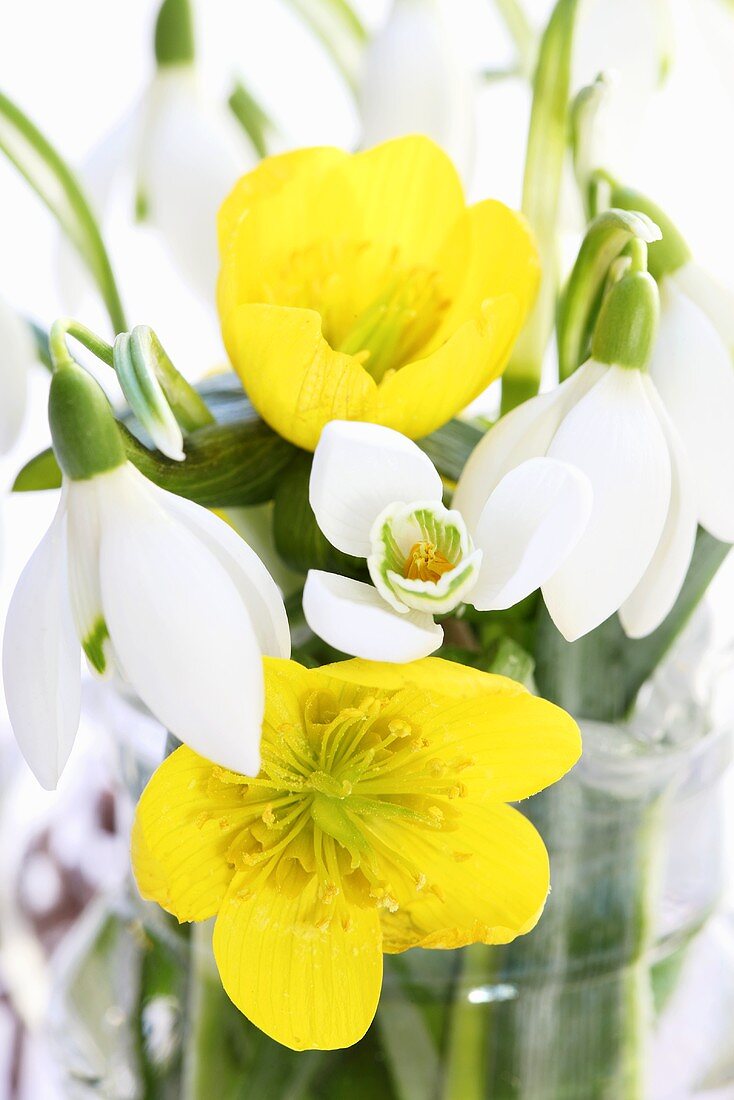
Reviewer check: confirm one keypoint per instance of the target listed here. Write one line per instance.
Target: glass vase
(624, 990)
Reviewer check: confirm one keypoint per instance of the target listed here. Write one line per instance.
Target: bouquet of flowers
(370, 623)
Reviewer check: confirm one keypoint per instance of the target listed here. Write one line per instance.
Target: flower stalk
(546, 153)
(56, 185)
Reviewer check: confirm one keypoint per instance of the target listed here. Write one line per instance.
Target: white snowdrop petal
(524, 433)
(715, 299)
(180, 631)
(654, 596)
(258, 591)
(41, 659)
(83, 525)
(358, 469)
(694, 375)
(529, 525)
(191, 154)
(353, 617)
(415, 82)
(17, 355)
(614, 437)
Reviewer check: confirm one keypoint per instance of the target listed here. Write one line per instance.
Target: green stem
(521, 32)
(207, 1069)
(252, 117)
(56, 186)
(466, 1062)
(544, 162)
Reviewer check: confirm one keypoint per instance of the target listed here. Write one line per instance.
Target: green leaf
(226, 465)
(41, 472)
(298, 538)
(55, 184)
(600, 675)
(252, 117)
(450, 446)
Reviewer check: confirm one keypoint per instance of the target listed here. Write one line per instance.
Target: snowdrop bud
(174, 33)
(669, 253)
(136, 356)
(414, 81)
(628, 320)
(84, 431)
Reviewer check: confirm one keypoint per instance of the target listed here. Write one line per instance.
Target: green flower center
(331, 792)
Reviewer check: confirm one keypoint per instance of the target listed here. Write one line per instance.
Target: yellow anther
(420, 882)
(328, 891)
(268, 816)
(398, 728)
(425, 562)
(462, 857)
(201, 819)
(436, 813)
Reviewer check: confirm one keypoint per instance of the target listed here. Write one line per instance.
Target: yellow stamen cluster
(426, 563)
(326, 789)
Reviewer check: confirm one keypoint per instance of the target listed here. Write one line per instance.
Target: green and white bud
(139, 359)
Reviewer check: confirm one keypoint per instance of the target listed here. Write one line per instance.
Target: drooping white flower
(693, 371)
(190, 154)
(183, 152)
(415, 81)
(608, 420)
(376, 495)
(142, 581)
(17, 354)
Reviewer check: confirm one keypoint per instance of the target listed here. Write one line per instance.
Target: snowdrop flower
(415, 81)
(376, 495)
(186, 152)
(609, 420)
(145, 582)
(17, 354)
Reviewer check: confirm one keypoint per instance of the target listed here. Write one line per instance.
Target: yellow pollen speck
(420, 882)
(426, 563)
(461, 857)
(201, 819)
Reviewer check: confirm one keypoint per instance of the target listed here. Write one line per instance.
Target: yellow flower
(363, 288)
(377, 823)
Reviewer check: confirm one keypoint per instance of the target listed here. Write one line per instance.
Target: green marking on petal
(422, 557)
(94, 646)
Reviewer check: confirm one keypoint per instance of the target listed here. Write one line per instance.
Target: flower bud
(84, 431)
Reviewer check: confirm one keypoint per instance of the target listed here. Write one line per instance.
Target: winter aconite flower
(363, 288)
(141, 581)
(377, 495)
(377, 823)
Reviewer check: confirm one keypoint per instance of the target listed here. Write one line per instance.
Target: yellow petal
(269, 178)
(423, 395)
(513, 743)
(283, 209)
(307, 987)
(517, 745)
(503, 259)
(408, 194)
(292, 376)
(487, 880)
(181, 834)
(432, 674)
